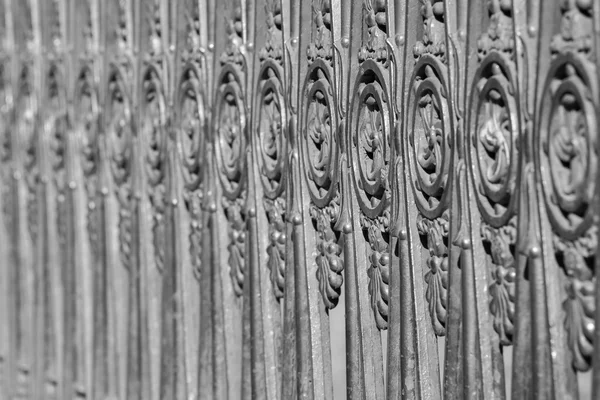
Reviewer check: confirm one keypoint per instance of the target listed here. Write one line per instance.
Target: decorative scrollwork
(25, 125)
(500, 244)
(154, 138)
(320, 150)
(271, 145)
(191, 148)
(370, 154)
(434, 233)
(375, 19)
(494, 159)
(567, 161)
(119, 141)
(429, 155)
(231, 162)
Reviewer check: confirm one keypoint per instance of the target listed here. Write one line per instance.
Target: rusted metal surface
(370, 199)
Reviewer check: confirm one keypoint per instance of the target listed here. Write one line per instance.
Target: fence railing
(299, 199)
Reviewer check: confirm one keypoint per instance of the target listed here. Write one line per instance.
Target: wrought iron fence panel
(369, 199)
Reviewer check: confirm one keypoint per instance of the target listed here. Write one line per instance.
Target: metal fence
(295, 199)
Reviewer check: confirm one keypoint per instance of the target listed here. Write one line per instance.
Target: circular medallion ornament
(320, 143)
(567, 146)
(119, 138)
(191, 128)
(230, 130)
(369, 145)
(270, 135)
(429, 137)
(493, 140)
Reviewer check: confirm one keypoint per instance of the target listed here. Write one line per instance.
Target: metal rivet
(297, 219)
(399, 40)
(347, 228)
(535, 252)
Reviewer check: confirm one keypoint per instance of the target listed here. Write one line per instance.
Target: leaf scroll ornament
(500, 242)
(329, 258)
(377, 231)
(193, 201)
(234, 211)
(375, 19)
(275, 209)
(321, 46)
(577, 260)
(435, 234)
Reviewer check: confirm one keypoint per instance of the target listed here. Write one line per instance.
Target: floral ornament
(494, 137)
(500, 246)
(329, 253)
(377, 231)
(434, 36)
(577, 260)
(435, 234)
(499, 35)
(576, 27)
(375, 18)
(321, 46)
(273, 47)
(235, 41)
